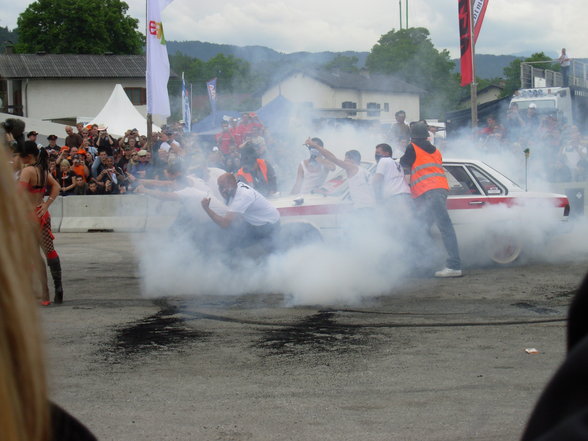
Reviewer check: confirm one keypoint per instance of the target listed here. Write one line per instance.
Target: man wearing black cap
(429, 188)
(32, 136)
(52, 143)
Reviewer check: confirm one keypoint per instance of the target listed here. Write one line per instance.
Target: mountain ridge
(262, 57)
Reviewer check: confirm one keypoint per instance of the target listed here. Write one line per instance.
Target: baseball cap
(142, 153)
(32, 133)
(52, 137)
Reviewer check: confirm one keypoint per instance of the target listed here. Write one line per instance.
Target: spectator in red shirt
(225, 139)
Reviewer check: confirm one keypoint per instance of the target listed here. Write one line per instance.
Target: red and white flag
(466, 45)
(157, 74)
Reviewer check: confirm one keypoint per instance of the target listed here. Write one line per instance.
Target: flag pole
(149, 116)
(473, 84)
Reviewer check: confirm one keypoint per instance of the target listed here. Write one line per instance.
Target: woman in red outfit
(35, 178)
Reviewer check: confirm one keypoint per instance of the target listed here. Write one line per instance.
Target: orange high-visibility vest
(427, 172)
(248, 177)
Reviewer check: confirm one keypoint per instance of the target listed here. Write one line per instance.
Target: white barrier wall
(120, 213)
(56, 212)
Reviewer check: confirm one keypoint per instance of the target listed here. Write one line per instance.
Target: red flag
(466, 45)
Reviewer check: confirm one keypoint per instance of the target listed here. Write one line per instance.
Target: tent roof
(119, 115)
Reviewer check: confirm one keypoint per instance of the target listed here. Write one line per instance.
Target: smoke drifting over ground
(373, 254)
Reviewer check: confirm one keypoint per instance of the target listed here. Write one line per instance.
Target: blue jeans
(432, 209)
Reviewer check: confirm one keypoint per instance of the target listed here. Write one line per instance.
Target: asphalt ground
(434, 360)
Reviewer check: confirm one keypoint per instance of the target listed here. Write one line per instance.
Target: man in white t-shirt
(388, 180)
(390, 187)
(250, 219)
(362, 194)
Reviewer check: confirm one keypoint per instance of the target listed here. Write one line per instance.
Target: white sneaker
(448, 272)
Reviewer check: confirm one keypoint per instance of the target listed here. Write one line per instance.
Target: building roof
(359, 81)
(72, 66)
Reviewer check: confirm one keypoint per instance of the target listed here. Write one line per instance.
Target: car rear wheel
(505, 248)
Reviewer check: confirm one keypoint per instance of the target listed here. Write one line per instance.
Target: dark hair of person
(385, 148)
(400, 112)
(318, 141)
(16, 128)
(42, 162)
(248, 154)
(354, 155)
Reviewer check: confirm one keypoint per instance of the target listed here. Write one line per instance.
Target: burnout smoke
(372, 255)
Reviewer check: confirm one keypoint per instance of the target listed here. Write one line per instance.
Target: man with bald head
(250, 218)
(72, 139)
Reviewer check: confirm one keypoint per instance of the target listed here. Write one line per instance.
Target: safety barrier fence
(116, 213)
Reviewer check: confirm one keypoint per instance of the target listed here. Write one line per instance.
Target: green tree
(78, 27)
(342, 63)
(512, 72)
(409, 55)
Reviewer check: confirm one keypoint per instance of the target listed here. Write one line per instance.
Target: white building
(360, 96)
(66, 87)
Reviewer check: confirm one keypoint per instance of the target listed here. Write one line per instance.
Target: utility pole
(406, 11)
(400, 10)
(473, 84)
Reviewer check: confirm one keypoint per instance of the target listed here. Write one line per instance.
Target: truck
(543, 89)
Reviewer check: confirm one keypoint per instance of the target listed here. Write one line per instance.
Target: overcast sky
(510, 26)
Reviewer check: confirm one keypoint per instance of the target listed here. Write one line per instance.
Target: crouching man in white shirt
(250, 220)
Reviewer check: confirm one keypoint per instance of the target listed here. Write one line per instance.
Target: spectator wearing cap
(72, 139)
(429, 189)
(142, 169)
(52, 143)
(32, 136)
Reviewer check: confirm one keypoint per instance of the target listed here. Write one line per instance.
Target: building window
(349, 105)
(373, 109)
(137, 95)
(386, 107)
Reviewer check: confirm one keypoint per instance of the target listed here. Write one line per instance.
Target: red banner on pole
(465, 42)
(465, 34)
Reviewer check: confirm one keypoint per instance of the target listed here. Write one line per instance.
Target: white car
(484, 205)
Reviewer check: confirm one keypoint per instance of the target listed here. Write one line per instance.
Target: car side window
(460, 182)
(490, 187)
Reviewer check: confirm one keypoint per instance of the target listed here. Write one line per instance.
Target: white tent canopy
(119, 115)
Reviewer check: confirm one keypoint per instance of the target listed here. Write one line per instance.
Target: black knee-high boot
(55, 267)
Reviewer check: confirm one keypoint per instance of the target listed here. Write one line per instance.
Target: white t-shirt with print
(253, 207)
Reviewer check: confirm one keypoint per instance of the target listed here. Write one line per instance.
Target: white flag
(157, 61)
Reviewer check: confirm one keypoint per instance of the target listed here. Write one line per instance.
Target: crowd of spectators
(557, 148)
(92, 161)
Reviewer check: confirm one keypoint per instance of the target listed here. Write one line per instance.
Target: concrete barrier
(120, 213)
(56, 212)
(161, 214)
